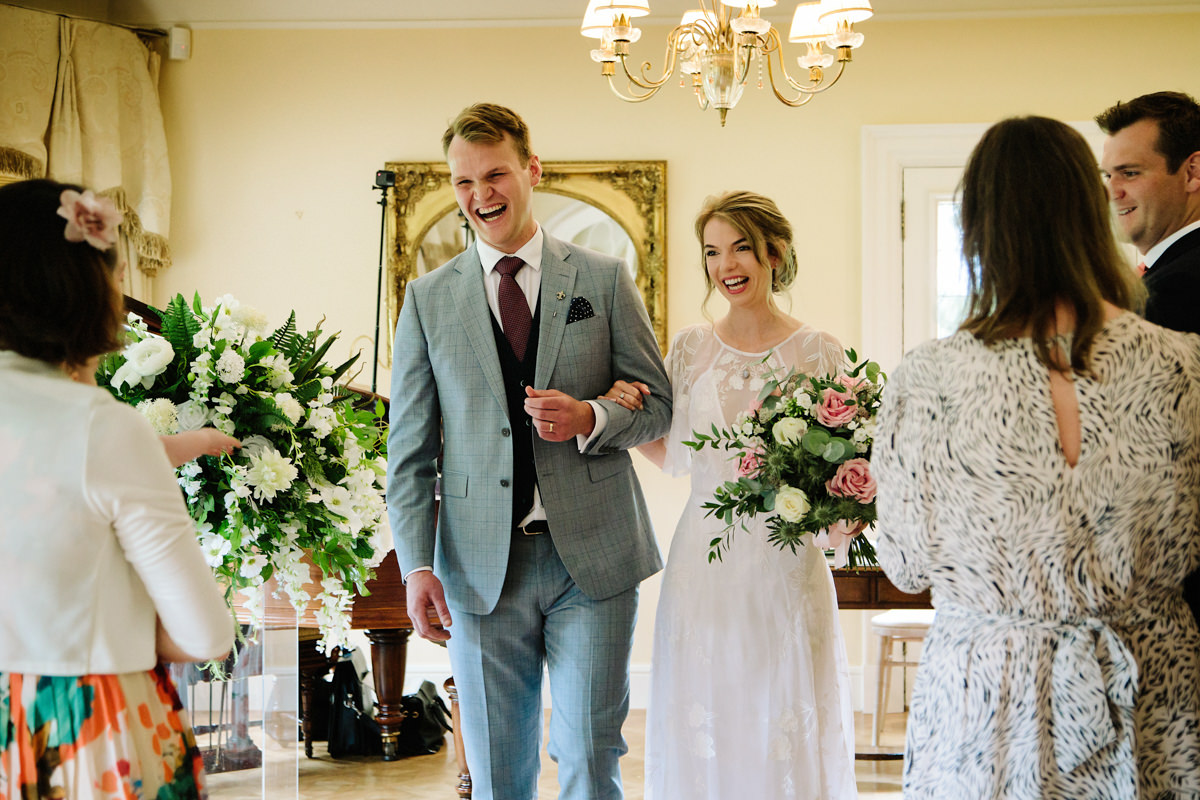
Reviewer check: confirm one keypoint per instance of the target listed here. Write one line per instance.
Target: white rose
(791, 503)
(789, 430)
(143, 361)
(256, 446)
(192, 415)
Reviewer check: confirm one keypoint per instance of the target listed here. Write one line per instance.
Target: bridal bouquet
(803, 452)
(308, 479)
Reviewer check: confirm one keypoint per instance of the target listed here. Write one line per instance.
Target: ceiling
(524, 13)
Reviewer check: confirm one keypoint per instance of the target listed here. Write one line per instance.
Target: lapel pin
(562, 295)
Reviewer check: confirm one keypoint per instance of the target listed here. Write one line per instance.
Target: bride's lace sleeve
(681, 367)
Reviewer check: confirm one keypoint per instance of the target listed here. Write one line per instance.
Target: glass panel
(246, 716)
(951, 270)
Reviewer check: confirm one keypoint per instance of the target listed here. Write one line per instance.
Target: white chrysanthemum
(161, 414)
(290, 406)
(143, 361)
(250, 318)
(192, 416)
(231, 367)
(321, 420)
(269, 474)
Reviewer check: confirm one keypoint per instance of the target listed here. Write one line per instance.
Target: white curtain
(79, 103)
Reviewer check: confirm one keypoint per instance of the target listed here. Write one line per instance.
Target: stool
(897, 625)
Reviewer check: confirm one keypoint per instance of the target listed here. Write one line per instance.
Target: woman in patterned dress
(103, 575)
(750, 689)
(1040, 469)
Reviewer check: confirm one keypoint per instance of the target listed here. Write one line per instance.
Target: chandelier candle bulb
(716, 44)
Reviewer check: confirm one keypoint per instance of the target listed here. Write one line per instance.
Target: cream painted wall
(275, 136)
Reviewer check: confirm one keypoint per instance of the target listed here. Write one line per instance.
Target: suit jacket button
(505, 432)
(504, 482)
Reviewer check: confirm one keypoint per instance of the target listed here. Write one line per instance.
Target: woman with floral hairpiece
(750, 689)
(103, 578)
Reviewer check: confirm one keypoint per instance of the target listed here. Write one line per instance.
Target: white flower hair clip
(90, 219)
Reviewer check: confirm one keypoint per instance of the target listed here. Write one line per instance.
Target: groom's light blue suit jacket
(447, 395)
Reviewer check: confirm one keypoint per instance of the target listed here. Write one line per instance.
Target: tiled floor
(434, 777)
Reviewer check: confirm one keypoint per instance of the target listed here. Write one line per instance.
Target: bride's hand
(627, 394)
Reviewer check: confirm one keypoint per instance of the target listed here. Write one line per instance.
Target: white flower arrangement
(308, 479)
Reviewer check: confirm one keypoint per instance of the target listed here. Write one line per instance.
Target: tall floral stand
(247, 724)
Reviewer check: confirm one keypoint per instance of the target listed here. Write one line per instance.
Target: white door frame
(886, 151)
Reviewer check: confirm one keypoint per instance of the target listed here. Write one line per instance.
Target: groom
(535, 554)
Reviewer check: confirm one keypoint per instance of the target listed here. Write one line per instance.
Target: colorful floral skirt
(97, 737)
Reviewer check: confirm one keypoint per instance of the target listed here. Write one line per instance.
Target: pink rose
(853, 479)
(751, 463)
(89, 218)
(833, 411)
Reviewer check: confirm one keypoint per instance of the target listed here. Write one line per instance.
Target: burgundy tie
(515, 318)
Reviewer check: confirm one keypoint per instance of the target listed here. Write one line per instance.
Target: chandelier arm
(631, 97)
(806, 93)
(645, 81)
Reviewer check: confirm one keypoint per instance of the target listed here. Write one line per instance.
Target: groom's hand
(425, 590)
(558, 417)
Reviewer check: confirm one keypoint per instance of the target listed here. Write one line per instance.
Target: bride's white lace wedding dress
(750, 693)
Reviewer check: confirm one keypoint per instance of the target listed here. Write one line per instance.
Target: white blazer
(95, 539)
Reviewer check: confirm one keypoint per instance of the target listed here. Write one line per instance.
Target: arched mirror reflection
(616, 207)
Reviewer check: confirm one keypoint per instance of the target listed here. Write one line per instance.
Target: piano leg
(389, 652)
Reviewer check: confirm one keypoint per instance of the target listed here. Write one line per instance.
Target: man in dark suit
(1151, 163)
(542, 535)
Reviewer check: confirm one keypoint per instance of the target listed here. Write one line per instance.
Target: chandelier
(719, 42)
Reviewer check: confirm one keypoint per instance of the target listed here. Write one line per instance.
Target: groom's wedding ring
(550, 427)
(622, 395)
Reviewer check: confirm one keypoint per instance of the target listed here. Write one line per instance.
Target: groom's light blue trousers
(543, 619)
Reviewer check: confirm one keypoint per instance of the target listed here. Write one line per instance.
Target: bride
(749, 685)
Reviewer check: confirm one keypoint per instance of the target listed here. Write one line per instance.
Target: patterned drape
(79, 103)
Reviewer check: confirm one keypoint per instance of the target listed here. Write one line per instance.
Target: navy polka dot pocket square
(580, 309)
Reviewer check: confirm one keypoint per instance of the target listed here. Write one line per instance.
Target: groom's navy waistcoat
(517, 376)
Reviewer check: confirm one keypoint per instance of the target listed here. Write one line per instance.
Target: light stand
(384, 179)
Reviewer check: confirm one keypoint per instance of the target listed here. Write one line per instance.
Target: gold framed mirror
(617, 207)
